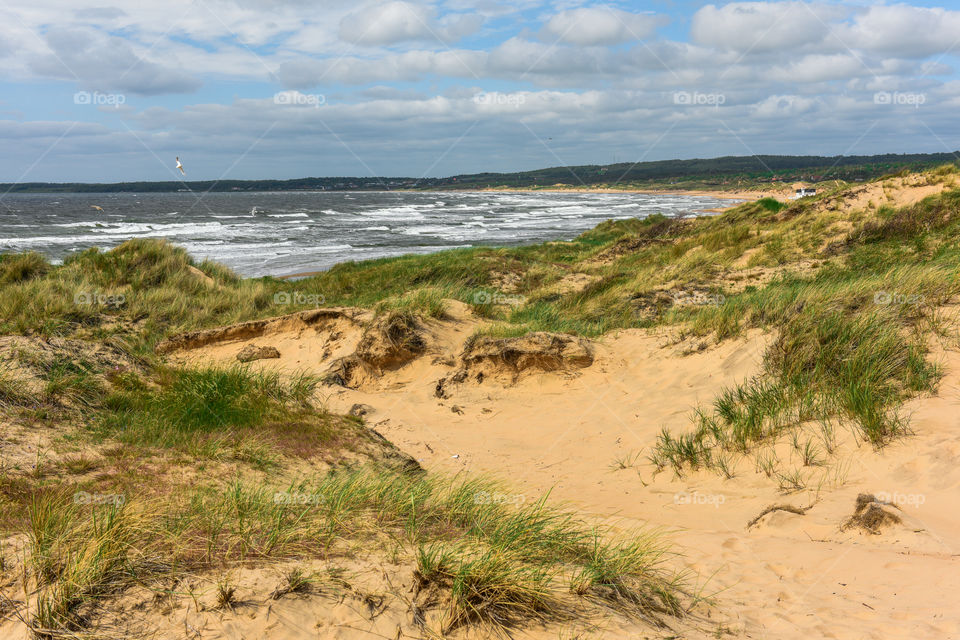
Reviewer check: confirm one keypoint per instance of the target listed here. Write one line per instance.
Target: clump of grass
(771, 204)
(193, 402)
(860, 364)
(626, 461)
(295, 581)
(490, 561)
(20, 267)
(49, 521)
(300, 387)
(775, 252)
(71, 381)
(810, 454)
(622, 573)
(208, 410)
(427, 303)
(226, 595)
(791, 481)
(78, 464)
(220, 273)
(12, 393)
(828, 435)
(486, 586)
(651, 227)
(767, 463)
(79, 559)
(727, 237)
(693, 450)
(142, 281)
(499, 330)
(855, 362)
(726, 465)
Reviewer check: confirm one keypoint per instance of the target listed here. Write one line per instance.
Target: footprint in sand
(778, 570)
(733, 544)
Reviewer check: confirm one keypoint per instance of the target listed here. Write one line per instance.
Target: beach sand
(581, 436)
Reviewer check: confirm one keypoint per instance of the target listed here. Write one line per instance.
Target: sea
(284, 233)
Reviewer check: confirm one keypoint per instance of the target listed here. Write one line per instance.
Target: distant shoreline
(720, 195)
(755, 170)
(723, 195)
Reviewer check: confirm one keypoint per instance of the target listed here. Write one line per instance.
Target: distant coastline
(723, 194)
(655, 177)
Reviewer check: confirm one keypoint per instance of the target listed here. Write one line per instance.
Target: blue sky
(101, 91)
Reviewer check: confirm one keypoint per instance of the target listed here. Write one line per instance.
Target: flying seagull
(180, 166)
(93, 206)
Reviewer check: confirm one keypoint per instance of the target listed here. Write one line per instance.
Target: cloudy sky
(102, 90)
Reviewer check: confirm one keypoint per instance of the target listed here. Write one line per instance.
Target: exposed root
(789, 508)
(391, 341)
(872, 515)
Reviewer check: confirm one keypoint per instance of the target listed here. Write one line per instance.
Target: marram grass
(498, 563)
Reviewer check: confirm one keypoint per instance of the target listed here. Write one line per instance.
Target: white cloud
(822, 68)
(409, 66)
(757, 27)
(523, 57)
(903, 30)
(584, 76)
(599, 26)
(493, 8)
(394, 22)
(98, 62)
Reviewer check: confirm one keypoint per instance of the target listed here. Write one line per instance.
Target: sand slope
(582, 436)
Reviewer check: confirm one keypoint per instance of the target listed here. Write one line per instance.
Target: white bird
(180, 166)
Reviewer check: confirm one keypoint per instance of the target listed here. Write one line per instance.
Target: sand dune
(581, 434)
(800, 529)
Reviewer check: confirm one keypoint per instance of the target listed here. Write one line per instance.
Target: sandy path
(790, 576)
(555, 431)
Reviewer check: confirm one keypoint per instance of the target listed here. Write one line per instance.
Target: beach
(616, 435)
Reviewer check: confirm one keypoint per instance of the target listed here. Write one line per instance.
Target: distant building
(801, 191)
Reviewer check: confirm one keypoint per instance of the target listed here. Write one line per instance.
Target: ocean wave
(85, 223)
(297, 233)
(332, 248)
(394, 213)
(444, 232)
(153, 228)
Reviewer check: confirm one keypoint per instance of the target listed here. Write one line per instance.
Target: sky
(106, 91)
